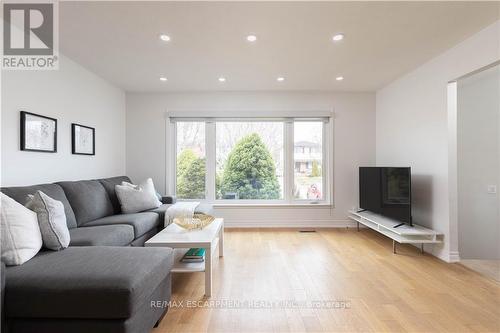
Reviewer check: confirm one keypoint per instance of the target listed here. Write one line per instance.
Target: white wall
(478, 165)
(354, 139)
(412, 129)
(71, 95)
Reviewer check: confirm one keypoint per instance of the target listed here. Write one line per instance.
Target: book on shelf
(194, 255)
(192, 260)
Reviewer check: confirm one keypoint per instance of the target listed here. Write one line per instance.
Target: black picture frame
(24, 142)
(73, 140)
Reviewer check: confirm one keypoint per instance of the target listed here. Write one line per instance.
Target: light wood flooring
(382, 292)
(488, 268)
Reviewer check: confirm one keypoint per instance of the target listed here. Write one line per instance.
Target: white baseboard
(453, 256)
(448, 257)
(289, 223)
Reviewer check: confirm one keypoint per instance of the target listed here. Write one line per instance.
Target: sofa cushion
(161, 213)
(141, 222)
(86, 282)
(20, 194)
(109, 184)
(105, 235)
(88, 198)
(140, 241)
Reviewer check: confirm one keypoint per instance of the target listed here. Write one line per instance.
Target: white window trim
(288, 118)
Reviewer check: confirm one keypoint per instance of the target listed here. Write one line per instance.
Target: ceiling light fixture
(338, 37)
(280, 79)
(165, 38)
(251, 38)
(222, 79)
(163, 79)
(339, 78)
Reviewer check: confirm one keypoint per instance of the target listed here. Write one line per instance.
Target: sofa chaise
(105, 281)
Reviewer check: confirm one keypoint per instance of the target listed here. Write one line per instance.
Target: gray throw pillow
(51, 219)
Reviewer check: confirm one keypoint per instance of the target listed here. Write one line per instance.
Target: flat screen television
(386, 191)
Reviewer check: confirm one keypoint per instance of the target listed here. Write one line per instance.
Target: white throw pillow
(51, 219)
(147, 185)
(137, 198)
(20, 233)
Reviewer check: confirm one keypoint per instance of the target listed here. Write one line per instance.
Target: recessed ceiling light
(338, 37)
(222, 79)
(165, 38)
(280, 79)
(164, 79)
(339, 78)
(251, 38)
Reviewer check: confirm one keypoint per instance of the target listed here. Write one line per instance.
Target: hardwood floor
(488, 268)
(383, 292)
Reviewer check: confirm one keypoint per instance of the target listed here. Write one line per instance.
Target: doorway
(478, 170)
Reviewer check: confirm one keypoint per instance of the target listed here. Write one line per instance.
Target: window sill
(272, 205)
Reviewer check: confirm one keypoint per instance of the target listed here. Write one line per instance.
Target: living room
(250, 166)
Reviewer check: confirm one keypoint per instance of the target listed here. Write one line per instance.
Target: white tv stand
(403, 234)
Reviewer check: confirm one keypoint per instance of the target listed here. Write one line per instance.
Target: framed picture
(83, 140)
(38, 133)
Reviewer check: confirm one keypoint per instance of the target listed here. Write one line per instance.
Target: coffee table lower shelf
(189, 267)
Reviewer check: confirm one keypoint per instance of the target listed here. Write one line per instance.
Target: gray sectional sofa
(106, 281)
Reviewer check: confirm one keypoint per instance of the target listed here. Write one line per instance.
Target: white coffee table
(181, 240)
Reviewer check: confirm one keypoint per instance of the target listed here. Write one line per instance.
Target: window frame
(174, 158)
(325, 165)
(288, 160)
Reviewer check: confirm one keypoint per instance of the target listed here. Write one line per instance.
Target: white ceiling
(119, 41)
